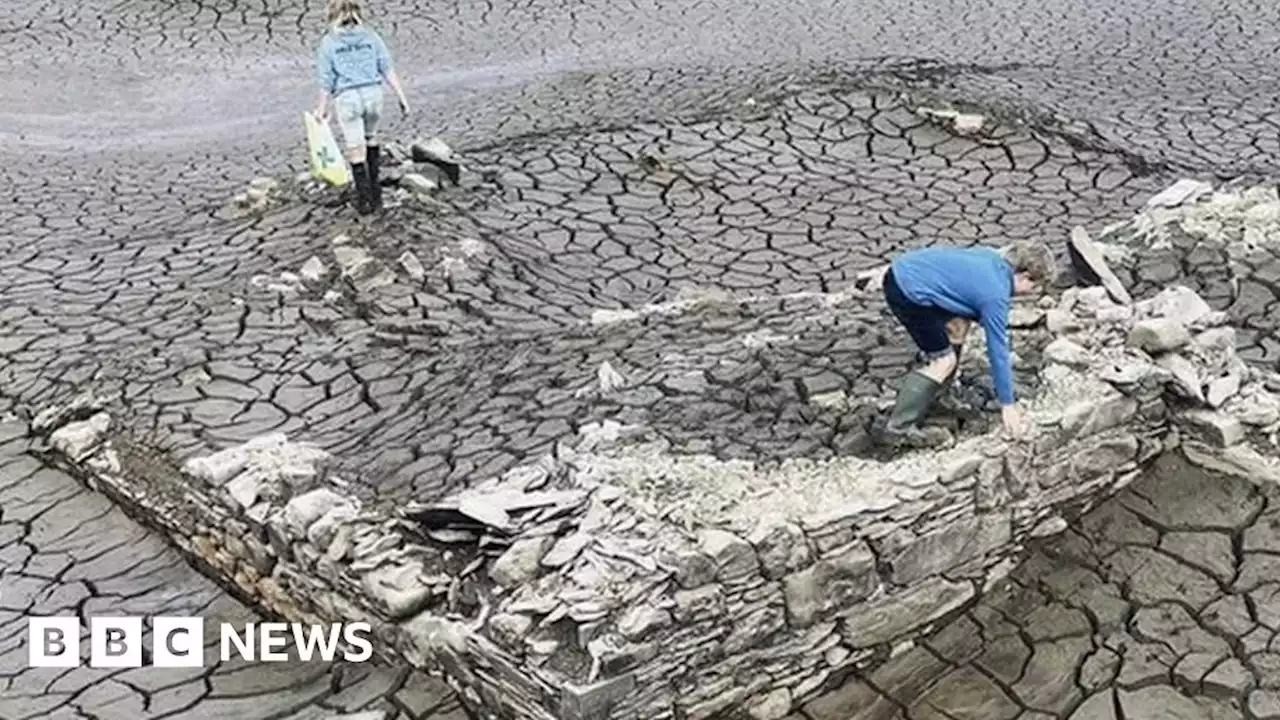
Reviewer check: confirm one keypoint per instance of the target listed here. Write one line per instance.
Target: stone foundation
(616, 579)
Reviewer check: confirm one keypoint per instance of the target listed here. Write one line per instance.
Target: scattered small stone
(610, 380)
(967, 124)
(653, 162)
(610, 317)
(1215, 428)
(1114, 314)
(1186, 378)
(309, 507)
(960, 123)
(77, 440)
(361, 270)
(1066, 352)
(397, 588)
(81, 407)
(263, 184)
(434, 150)
(412, 266)
(1219, 390)
(418, 183)
(519, 564)
(824, 382)
(453, 266)
(245, 488)
(510, 629)
(836, 400)
(1060, 322)
(1159, 335)
(1178, 303)
(257, 197)
(1024, 318)
(219, 467)
(314, 271)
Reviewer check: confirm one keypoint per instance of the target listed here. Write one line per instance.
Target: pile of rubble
(1212, 240)
(416, 174)
(261, 194)
(960, 123)
(1243, 219)
(353, 272)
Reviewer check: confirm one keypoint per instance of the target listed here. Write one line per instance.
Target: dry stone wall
(614, 578)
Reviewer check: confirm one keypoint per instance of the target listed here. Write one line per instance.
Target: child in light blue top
(352, 62)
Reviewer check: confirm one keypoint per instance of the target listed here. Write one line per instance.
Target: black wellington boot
(373, 158)
(915, 398)
(364, 193)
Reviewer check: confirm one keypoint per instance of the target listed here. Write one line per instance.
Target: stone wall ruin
(614, 578)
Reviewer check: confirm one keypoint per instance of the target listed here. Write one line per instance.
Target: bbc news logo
(117, 642)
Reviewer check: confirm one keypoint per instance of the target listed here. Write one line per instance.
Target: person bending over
(352, 62)
(936, 293)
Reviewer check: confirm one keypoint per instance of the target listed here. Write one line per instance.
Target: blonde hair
(345, 12)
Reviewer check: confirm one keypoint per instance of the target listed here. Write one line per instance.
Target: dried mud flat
(790, 155)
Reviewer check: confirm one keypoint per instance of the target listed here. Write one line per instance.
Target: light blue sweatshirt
(351, 57)
(974, 283)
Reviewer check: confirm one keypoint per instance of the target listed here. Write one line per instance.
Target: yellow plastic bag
(327, 163)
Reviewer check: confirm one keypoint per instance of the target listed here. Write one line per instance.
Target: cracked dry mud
(1159, 604)
(68, 551)
(795, 163)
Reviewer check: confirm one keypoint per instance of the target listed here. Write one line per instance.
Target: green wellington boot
(915, 397)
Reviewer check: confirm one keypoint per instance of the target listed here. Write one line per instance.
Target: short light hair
(1033, 259)
(345, 12)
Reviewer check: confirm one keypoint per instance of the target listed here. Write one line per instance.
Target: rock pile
(1225, 416)
(261, 194)
(416, 174)
(1212, 240)
(613, 578)
(959, 122)
(420, 171)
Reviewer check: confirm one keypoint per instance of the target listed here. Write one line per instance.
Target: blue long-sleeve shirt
(351, 57)
(974, 283)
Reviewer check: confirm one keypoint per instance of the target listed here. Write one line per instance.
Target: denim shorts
(926, 325)
(359, 109)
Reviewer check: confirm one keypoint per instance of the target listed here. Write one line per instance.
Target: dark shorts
(926, 325)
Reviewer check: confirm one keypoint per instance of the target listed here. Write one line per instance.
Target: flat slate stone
(1185, 190)
(1085, 252)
